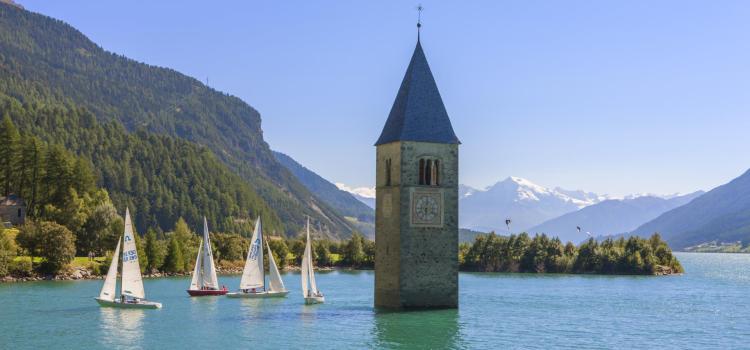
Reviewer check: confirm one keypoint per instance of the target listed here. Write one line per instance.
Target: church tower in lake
(416, 220)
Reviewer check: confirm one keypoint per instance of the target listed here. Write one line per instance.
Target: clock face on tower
(427, 208)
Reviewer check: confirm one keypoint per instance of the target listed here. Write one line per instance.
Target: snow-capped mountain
(524, 202)
(363, 194)
(611, 217)
(465, 191)
(528, 205)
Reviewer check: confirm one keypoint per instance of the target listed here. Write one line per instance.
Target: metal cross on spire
(419, 19)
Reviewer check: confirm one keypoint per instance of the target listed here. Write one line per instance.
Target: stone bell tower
(416, 220)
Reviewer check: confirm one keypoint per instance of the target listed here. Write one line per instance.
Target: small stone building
(12, 210)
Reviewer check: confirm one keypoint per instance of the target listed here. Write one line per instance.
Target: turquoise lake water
(707, 307)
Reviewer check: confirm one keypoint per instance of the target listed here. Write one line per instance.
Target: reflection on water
(207, 304)
(433, 329)
(121, 327)
(308, 314)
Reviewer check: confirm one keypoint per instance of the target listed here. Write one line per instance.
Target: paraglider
(587, 232)
(507, 223)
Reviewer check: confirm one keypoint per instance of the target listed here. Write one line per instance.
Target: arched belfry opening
(429, 172)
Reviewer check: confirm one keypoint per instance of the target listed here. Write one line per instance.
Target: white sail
(132, 284)
(195, 281)
(308, 273)
(110, 283)
(304, 267)
(310, 269)
(209, 269)
(252, 274)
(275, 283)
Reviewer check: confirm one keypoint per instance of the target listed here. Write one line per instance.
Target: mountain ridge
(342, 201)
(524, 202)
(721, 214)
(610, 217)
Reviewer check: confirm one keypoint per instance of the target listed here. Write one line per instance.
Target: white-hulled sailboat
(253, 282)
(204, 281)
(132, 294)
(309, 287)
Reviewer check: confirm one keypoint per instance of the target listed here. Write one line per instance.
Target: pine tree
(83, 179)
(322, 253)
(140, 247)
(174, 261)
(29, 164)
(153, 251)
(354, 252)
(8, 153)
(57, 177)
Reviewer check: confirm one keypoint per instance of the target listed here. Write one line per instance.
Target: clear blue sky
(612, 97)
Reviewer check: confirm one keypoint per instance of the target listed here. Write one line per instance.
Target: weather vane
(419, 18)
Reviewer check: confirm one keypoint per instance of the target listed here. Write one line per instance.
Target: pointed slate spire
(418, 113)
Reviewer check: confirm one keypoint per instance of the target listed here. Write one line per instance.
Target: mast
(262, 268)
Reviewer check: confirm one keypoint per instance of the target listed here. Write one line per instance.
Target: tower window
(421, 172)
(429, 172)
(435, 173)
(388, 172)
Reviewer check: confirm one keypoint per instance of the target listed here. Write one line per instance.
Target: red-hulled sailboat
(204, 280)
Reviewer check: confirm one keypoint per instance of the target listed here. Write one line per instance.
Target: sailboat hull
(314, 300)
(143, 304)
(206, 292)
(268, 294)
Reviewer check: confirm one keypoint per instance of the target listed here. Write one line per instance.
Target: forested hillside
(45, 62)
(344, 202)
(159, 177)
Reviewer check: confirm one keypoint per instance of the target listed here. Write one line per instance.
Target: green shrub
(8, 250)
(20, 268)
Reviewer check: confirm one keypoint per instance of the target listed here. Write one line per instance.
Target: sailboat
(309, 287)
(253, 282)
(132, 294)
(204, 280)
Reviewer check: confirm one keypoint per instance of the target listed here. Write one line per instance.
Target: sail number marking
(254, 249)
(130, 255)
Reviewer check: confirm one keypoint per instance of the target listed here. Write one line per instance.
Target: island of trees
(542, 254)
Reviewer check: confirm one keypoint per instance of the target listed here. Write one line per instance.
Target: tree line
(542, 254)
(165, 252)
(175, 251)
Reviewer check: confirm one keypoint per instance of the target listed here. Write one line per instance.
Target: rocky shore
(662, 270)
